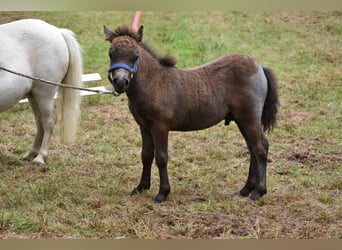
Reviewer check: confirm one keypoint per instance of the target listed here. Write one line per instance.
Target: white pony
(36, 48)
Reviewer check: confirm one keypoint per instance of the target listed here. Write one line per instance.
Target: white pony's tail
(70, 100)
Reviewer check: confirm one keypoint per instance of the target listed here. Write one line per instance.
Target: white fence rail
(85, 78)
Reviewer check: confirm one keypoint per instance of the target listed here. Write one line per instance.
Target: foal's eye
(110, 54)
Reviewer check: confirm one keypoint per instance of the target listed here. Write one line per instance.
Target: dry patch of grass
(84, 192)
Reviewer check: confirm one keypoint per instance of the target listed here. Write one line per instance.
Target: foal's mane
(168, 61)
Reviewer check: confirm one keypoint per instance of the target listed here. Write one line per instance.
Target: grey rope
(59, 84)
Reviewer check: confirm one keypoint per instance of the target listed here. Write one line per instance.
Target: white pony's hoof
(28, 156)
(39, 160)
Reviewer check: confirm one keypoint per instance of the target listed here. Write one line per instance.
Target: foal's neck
(143, 79)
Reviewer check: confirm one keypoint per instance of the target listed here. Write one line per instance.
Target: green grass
(84, 190)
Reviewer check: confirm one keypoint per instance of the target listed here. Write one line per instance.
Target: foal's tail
(70, 100)
(269, 113)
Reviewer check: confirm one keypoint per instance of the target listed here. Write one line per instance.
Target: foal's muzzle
(120, 79)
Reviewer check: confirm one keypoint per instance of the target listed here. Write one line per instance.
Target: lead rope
(60, 84)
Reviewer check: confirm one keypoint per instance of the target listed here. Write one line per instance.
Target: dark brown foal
(164, 98)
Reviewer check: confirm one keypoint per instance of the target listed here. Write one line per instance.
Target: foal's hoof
(140, 188)
(160, 197)
(136, 191)
(245, 191)
(254, 194)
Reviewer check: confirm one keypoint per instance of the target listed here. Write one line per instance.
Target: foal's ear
(139, 34)
(109, 35)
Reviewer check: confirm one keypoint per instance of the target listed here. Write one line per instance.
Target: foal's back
(205, 95)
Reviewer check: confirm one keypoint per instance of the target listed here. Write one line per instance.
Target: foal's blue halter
(133, 70)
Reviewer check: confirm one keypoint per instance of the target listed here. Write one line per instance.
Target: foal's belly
(197, 121)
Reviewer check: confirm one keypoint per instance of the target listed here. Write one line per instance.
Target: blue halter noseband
(133, 70)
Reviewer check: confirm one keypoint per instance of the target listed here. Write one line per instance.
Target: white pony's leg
(33, 152)
(47, 122)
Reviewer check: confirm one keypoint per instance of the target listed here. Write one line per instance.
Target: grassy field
(83, 192)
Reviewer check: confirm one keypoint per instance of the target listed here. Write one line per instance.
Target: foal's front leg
(147, 155)
(154, 144)
(160, 138)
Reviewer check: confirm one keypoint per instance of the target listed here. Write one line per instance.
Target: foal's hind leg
(160, 138)
(258, 149)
